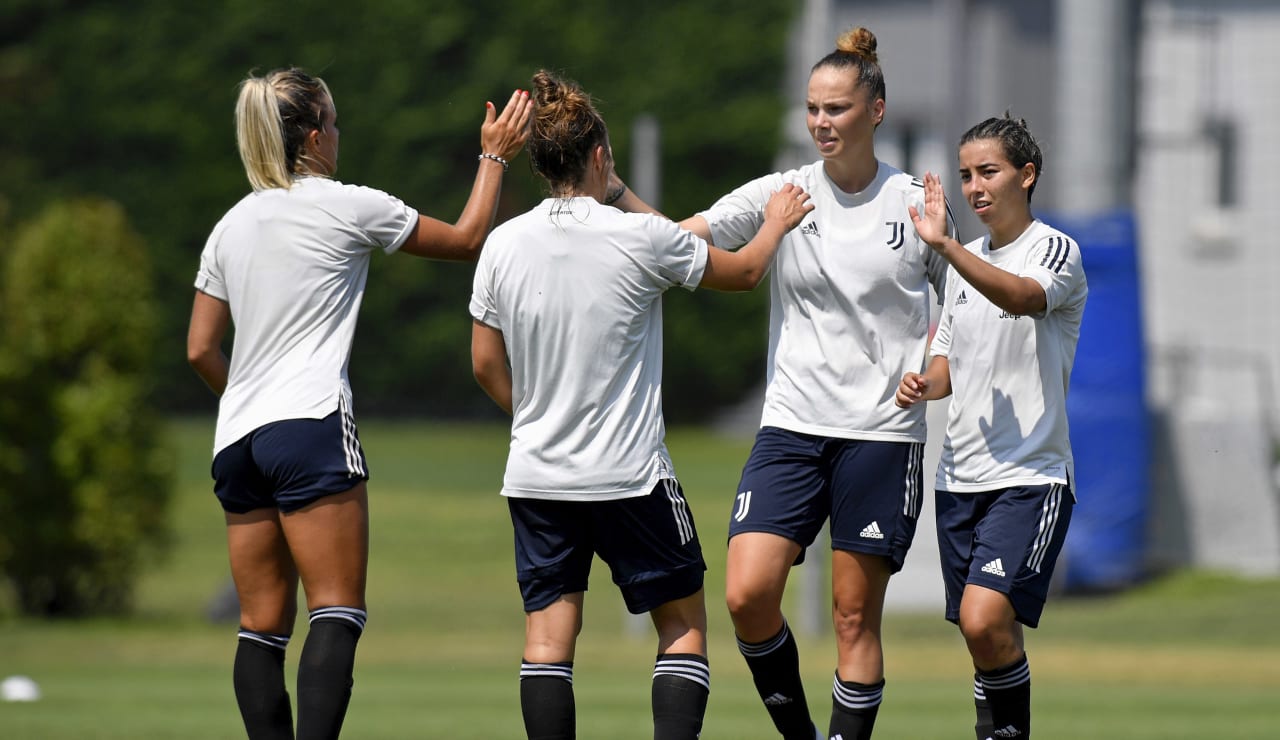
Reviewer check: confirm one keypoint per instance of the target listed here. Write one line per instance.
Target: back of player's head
(1016, 142)
(566, 129)
(274, 115)
(856, 52)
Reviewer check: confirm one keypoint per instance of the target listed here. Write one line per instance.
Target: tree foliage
(84, 478)
(134, 101)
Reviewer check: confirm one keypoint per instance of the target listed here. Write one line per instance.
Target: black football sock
(853, 708)
(775, 669)
(258, 676)
(681, 683)
(546, 700)
(325, 671)
(983, 727)
(1008, 691)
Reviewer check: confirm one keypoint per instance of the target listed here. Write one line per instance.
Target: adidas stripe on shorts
(289, 464)
(870, 491)
(1006, 540)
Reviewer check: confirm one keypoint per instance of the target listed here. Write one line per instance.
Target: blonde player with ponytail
(287, 266)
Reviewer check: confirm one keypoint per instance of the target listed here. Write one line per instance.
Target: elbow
(747, 281)
(470, 251)
(197, 356)
(753, 278)
(484, 373)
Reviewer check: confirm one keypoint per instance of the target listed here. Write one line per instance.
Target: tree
(153, 130)
(84, 477)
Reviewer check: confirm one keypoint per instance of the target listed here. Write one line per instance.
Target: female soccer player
(1003, 351)
(849, 304)
(568, 339)
(287, 265)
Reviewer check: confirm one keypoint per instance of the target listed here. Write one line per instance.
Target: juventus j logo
(744, 505)
(897, 232)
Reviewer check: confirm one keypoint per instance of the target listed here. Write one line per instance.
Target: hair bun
(858, 41)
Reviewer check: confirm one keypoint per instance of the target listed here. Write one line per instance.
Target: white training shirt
(849, 302)
(1007, 423)
(292, 265)
(575, 287)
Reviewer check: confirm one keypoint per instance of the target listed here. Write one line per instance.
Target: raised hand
(789, 205)
(932, 224)
(504, 134)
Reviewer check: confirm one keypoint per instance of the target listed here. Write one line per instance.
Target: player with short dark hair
(568, 339)
(287, 265)
(1003, 352)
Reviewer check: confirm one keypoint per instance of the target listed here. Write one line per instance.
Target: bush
(84, 478)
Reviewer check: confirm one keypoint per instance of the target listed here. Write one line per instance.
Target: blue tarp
(1110, 435)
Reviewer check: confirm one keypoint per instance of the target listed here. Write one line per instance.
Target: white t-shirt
(849, 302)
(1007, 423)
(575, 287)
(292, 266)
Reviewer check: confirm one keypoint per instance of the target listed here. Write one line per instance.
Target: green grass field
(1190, 656)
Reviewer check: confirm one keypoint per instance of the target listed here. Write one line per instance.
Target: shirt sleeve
(681, 256)
(736, 217)
(483, 307)
(384, 219)
(209, 279)
(1054, 262)
(941, 344)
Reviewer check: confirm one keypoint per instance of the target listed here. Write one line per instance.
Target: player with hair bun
(1003, 352)
(287, 265)
(849, 314)
(567, 339)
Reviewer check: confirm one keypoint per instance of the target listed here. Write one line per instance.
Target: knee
(268, 615)
(853, 621)
(989, 640)
(747, 606)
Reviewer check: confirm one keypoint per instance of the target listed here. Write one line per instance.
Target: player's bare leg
(267, 586)
(329, 539)
(681, 675)
(1003, 676)
(546, 671)
(858, 584)
(755, 579)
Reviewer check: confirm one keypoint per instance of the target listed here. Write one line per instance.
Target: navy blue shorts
(871, 491)
(289, 464)
(1006, 540)
(649, 543)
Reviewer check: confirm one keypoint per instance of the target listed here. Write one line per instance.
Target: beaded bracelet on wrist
(496, 158)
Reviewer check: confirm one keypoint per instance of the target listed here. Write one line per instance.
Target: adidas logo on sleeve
(872, 532)
(995, 568)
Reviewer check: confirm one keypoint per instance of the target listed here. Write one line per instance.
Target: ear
(877, 111)
(1029, 175)
(313, 140)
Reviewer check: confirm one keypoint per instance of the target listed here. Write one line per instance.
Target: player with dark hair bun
(1003, 351)
(849, 305)
(567, 338)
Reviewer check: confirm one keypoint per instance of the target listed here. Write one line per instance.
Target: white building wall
(1210, 265)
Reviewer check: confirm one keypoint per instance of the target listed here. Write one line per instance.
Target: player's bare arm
(501, 136)
(489, 363)
(210, 319)
(1016, 294)
(745, 268)
(932, 384)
